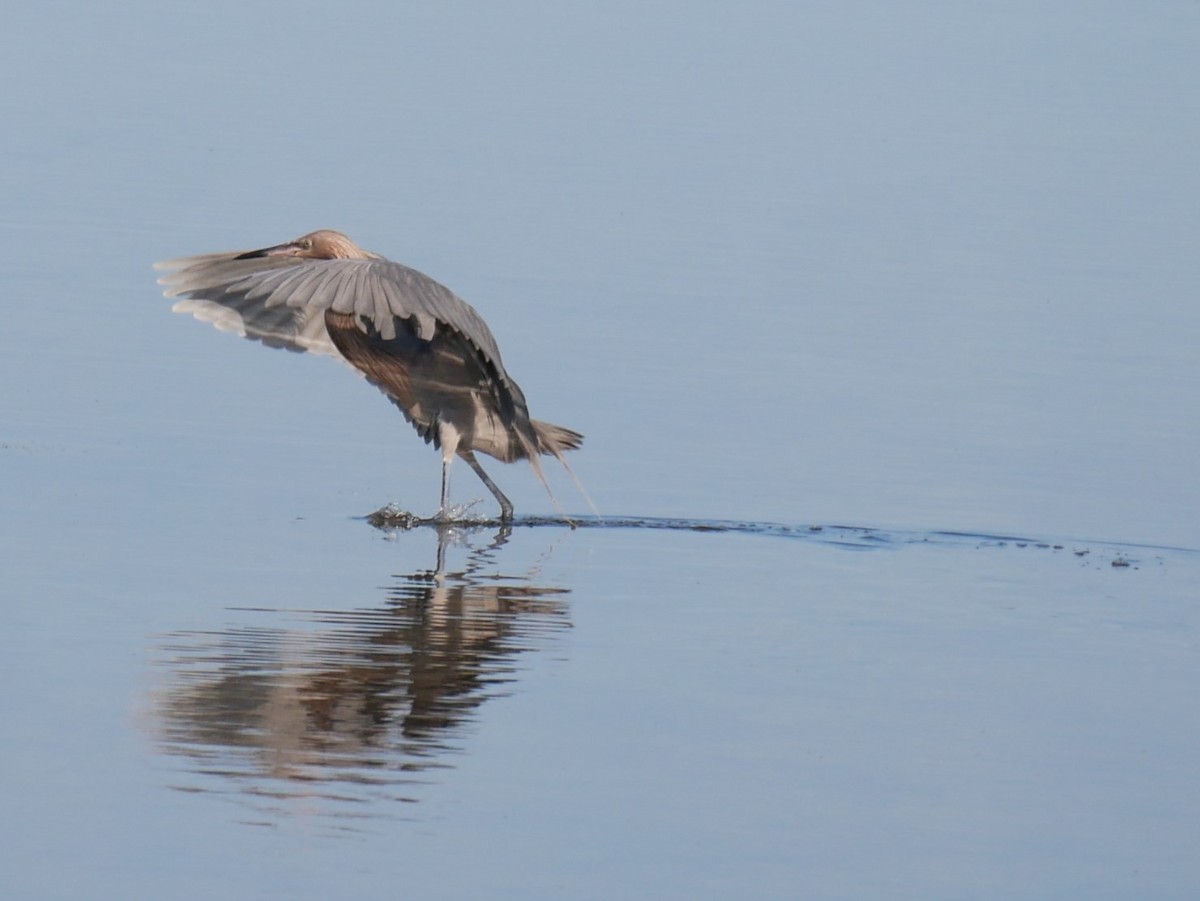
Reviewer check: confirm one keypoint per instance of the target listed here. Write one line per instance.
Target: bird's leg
(444, 510)
(448, 437)
(506, 507)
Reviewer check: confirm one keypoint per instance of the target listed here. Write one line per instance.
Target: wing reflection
(357, 704)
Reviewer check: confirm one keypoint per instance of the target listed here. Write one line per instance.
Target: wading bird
(422, 346)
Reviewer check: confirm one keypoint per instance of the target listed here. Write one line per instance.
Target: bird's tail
(554, 440)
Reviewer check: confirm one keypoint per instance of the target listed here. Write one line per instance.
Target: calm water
(896, 301)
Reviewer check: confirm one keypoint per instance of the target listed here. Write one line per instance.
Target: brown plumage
(429, 351)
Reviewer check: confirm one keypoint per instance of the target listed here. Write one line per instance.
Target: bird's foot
(392, 516)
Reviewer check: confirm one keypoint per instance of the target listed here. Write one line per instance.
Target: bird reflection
(357, 704)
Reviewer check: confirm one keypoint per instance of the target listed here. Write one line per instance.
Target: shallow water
(881, 326)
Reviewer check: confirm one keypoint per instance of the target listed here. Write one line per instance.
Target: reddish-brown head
(324, 244)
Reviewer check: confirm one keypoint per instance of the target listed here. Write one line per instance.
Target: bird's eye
(306, 243)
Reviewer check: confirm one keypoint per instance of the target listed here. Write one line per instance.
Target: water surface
(880, 322)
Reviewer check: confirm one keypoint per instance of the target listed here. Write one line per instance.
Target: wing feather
(318, 289)
(271, 299)
(381, 303)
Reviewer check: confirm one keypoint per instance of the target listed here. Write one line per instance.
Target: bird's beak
(290, 249)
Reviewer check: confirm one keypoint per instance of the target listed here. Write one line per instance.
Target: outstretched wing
(281, 301)
(426, 348)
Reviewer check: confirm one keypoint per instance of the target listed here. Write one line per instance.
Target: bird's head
(325, 244)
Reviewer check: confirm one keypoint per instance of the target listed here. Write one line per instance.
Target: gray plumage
(428, 350)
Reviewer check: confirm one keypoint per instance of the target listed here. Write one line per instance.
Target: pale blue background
(917, 266)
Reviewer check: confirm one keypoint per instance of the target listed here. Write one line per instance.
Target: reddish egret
(418, 343)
